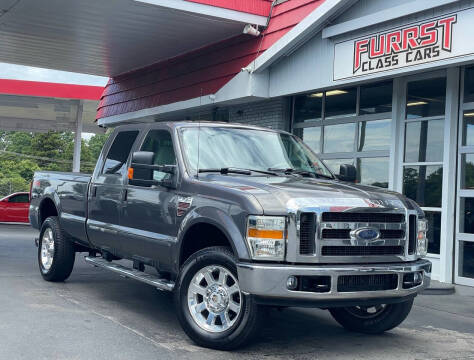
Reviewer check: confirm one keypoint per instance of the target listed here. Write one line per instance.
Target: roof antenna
(199, 132)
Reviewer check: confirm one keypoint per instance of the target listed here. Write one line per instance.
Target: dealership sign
(418, 43)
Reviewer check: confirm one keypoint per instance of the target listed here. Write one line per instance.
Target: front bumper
(269, 282)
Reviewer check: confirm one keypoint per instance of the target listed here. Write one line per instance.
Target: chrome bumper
(269, 280)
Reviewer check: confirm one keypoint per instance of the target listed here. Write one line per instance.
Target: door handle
(124, 195)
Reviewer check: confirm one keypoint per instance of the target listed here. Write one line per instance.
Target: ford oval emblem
(367, 234)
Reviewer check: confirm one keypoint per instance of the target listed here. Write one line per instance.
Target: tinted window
(467, 168)
(434, 231)
(374, 135)
(308, 107)
(116, 161)
(469, 85)
(160, 143)
(339, 138)
(424, 141)
(467, 259)
(22, 198)
(426, 98)
(341, 102)
(376, 98)
(373, 171)
(468, 128)
(467, 211)
(423, 184)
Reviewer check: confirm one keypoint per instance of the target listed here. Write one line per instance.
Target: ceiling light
(335, 92)
(471, 114)
(416, 103)
(316, 95)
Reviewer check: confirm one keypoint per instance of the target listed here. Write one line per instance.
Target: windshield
(251, 149)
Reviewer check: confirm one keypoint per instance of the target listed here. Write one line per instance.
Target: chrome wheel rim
(214, 299)
(47, 249)
(367, 312)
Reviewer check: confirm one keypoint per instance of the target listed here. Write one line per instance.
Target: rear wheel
(372, 319)
(56, 254)
(211, 307)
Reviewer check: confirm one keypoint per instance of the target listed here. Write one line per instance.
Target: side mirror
(347, 173)
(142, 170)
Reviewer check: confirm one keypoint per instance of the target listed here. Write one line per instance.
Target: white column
(449, 176)
(76, 160)
(396, 145)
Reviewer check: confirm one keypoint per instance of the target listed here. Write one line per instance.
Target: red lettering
(409, 38)
(429, 34)
(360, 48)
(447, 25)
(393, 42)
(377, 50)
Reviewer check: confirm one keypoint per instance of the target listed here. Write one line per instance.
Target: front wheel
(211, 308)
(56, 253)
(372, 319)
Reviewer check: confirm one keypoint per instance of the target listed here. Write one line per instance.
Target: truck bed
(68, 191)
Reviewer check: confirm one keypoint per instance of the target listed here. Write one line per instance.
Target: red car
(15, 207)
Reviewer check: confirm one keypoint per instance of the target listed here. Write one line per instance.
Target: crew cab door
(149, 213)
(106, 192)
(16, 208)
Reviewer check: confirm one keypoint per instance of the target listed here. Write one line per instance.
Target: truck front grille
(361, 250)
(307, 233)
(363, 217)
(350, 283)
(345, 234)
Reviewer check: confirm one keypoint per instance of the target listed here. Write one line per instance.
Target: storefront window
(341, 103)
(339, 138)
(308, 107)
(335, 164)
(311, 136)
(424, 141)
(467, 259)
(467, 213)
(426, 98)
(373, 171)
(374, 135)
(468, 128)
(469, 85)
(467, 170)
(376, 98)
(423, 184)
(434, 231)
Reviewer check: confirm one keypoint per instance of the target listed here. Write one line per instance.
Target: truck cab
(232, 218)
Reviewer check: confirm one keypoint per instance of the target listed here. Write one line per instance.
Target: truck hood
(282, 194)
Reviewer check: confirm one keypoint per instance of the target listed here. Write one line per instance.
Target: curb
(439, 289)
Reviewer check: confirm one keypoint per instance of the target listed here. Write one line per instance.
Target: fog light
(292, 283)
(418, 278)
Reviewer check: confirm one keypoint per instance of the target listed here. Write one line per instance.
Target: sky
(20, 72)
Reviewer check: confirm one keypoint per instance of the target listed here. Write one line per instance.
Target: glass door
(464, 258)
(422, 131)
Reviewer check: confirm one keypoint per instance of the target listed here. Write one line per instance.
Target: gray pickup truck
(231, 218)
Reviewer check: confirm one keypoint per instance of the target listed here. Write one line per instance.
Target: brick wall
(274, 113)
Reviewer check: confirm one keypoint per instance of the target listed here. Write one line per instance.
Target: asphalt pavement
(99, 315)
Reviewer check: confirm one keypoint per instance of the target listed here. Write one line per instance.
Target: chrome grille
(307, 233)
(363, 217)
(361, 250)
(345, 234)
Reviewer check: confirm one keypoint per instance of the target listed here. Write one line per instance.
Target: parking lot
(98, 315)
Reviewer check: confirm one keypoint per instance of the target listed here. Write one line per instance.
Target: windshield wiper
(227, 170)
(290, 171)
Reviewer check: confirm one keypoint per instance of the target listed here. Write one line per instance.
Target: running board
(153, 280)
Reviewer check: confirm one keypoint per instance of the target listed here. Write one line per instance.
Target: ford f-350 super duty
(231, 218)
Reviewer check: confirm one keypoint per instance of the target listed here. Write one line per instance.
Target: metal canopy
(108, 38)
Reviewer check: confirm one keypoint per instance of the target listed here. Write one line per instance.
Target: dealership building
(387, 86)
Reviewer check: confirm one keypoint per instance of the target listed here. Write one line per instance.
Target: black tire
(64, 252)
(390, 317)
(246, 323)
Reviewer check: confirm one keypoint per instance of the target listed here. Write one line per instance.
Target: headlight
(266, 237)
(422, 241)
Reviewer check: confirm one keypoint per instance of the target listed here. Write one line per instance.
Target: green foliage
(51, 151)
